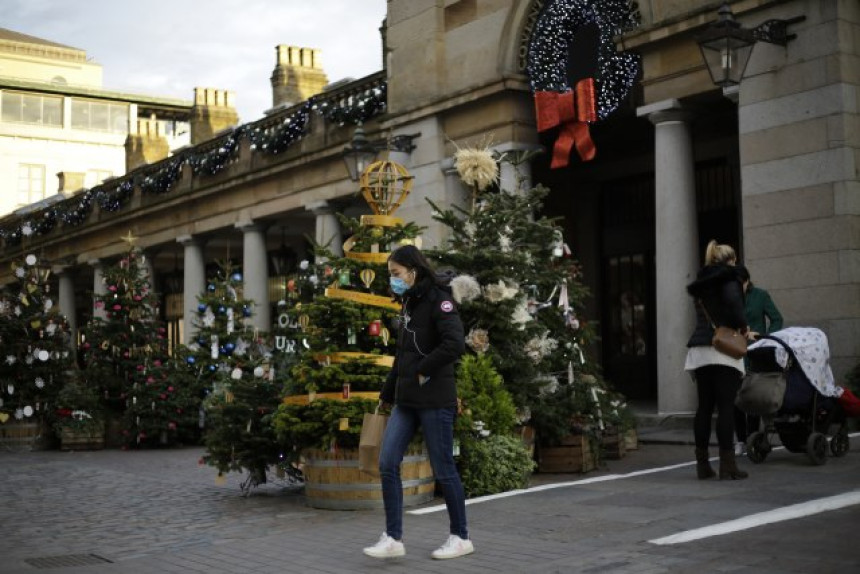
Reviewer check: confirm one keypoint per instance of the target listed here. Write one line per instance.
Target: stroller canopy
(812, 352)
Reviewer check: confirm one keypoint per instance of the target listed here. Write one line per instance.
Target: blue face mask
(398, 285)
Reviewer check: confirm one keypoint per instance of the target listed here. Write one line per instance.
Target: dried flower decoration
(478, 340)
(465, 288)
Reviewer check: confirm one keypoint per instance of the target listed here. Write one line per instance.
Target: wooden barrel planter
(19, 435)
(334, 482)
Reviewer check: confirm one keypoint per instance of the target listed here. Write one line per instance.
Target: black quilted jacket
(721, 291)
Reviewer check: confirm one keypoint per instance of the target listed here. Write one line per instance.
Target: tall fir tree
(349, 330)
(36, 358)
(520, 293)
(126, 355)
(234, 370)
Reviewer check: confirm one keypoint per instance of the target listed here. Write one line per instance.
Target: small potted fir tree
(79, 418)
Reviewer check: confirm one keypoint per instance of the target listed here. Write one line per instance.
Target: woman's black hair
(411, 257)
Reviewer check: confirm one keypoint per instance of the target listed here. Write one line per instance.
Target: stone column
(66, 301)
(515, 177)
(255, 271)
(676, 259)
(99, 287)
(194, 281)
(328, 230)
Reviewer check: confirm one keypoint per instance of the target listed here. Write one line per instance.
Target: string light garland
(160, 178)
(275, 139)
(355, 108)
(214, 161)
(114, 197)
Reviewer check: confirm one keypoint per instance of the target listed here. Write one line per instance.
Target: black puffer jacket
(720, 289)
(430, 341)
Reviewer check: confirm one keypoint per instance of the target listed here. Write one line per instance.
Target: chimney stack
(298, 75)
(214, 111)
(146, 143)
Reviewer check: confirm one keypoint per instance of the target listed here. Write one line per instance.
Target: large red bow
(559, 109)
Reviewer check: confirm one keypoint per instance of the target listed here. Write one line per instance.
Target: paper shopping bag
(372, 429)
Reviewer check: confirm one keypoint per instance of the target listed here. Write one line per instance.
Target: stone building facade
(771, 169)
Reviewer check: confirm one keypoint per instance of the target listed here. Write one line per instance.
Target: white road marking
(769, 517)
(604, 478)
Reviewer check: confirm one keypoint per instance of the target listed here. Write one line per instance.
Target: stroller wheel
(839, 444)
(758, 447)
(816, 448)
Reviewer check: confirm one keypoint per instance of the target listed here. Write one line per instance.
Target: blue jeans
(438, 427)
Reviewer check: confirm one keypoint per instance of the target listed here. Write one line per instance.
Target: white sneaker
(454, 547)
(387, 547)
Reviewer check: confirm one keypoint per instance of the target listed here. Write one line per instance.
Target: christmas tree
(519, 292)
(233, 369)
(36, 360)
(126, 356)
(347, 333)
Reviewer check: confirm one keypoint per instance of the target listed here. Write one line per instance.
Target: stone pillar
(194, 281)
(328, 230)
(99, 287)
(214, 111)
(255, 272)
(146, 143)
(514, 175)
(66, 301)
(676, 259)
(297, 76)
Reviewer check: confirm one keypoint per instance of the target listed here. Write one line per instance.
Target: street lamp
(726, 46)
(361, 152)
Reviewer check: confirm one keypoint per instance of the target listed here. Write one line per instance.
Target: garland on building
(578, 77)
(264, 136)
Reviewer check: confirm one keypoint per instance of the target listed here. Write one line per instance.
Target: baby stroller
(809, 413)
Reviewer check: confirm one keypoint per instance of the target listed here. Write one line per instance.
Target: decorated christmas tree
(519, 293)
(232, 368)
(126, 356)
(35, 361)
(347, 333)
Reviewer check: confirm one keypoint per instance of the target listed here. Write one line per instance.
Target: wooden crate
(73, 439)
(574, 454)
(612, 444)
(631, 439)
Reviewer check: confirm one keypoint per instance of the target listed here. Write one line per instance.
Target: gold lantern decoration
(384, 185)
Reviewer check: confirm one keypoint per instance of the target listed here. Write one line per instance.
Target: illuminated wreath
(576, 73)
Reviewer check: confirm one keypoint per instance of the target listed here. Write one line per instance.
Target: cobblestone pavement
(160, 512)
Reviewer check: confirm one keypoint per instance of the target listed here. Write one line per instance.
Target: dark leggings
(717, 385)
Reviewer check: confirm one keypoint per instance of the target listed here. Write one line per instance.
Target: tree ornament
(374, 328)
(344, 277)
(367, 276)
(201, 307)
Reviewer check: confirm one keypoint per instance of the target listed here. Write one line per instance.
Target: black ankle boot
(728, 466)
(703, 464)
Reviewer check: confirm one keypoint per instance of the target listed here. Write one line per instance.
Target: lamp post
(361, 152)
(726, 45)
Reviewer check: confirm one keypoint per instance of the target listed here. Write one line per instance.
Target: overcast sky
(169, 47)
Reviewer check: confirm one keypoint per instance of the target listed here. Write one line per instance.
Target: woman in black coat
(422, 388)
(719, 301)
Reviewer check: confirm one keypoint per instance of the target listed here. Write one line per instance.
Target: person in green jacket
(762, 317)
